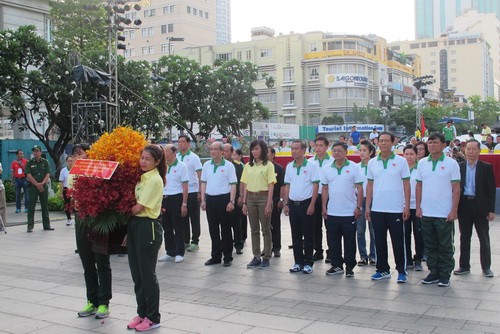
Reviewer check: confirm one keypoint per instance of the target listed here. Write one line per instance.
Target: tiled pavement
(42, 288)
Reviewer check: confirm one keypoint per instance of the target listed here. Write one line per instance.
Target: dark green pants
(144, 238)
(34, 194)
(96, 267)
(438, 241)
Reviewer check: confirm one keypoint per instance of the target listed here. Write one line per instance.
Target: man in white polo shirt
(218, 193)
(193, 163)
(323, 160)
(174, 206)
(437, 194)
(388, 206)
(341, 180)
(302, 179)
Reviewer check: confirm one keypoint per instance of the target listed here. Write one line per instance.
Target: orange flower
(123, 145)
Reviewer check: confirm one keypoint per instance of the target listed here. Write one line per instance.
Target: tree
(331, 120)
(35, 84)
(232, 100)
(485, 112)
(368, 114)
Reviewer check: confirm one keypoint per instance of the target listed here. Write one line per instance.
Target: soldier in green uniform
(38, 173)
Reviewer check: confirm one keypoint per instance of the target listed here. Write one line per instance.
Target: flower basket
(104, 205)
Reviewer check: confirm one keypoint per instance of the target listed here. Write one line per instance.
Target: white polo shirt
(387, 176)
(63, 176)
(301, 179)
(323, 164)
(413, 185)
(437, 178)
(193, 163)
(218, 178)
(364, 174)
(177, 174)
(341, 184)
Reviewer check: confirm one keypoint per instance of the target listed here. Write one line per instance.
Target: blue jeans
(361, 232)
(21, 184)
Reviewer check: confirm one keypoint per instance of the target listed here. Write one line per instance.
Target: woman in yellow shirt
(144, 238)
(259, 179)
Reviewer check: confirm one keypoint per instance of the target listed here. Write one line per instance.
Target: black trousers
(318, 226)
(276, 225)
(143, 242)
(383, 221)
(96, 267)
(173, 227)
(219, 227)
(469, 216)
(338, 229)
(192, 220)
(235, 219)
(302, 226)
(414, 224)
(67, 203)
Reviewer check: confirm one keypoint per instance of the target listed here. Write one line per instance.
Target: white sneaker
(165, 257)
(69, 222)
(179, 259)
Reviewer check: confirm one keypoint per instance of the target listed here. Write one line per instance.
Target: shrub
(10, 191)
(56, 202)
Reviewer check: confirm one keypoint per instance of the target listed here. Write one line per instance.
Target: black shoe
(461, 271)
(49, 229)
(349, 272)
(211, 262)
(430, 279)
(327, 260)
(29, 230)
(277, 253)
(76, 251)
(318, 256)
(290, 246)
(363, 262)
(239, 251)
(373, 262)
(444, 282)
(488, 273)
(227, 263)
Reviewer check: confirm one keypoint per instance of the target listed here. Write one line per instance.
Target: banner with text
(344, 80)
(101, 169)
(347, 128)
(274, 130)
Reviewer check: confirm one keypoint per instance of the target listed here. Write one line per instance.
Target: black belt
(299, 203)
(167, 196)
(469, 198)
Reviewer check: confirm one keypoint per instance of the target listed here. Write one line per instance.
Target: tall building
(172, 25)
(434, 17)
(459, 62)
(319, 74)
(223, 21)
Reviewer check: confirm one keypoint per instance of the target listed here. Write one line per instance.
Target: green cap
(36, 148)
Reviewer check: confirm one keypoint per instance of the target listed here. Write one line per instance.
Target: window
(206, 15)
(164, 48)
(249, 54)
(131, 16)
(288, 74)
(313, 47)
(49, 27)
(149, 12)
(471, 40)
(352, 92)
(453, 70)
(195, 11)
(289, 98)
(433, 71)
(147, 50)
(129, 53)
(224, 56)
(334, 45)
(132, 34)
(433, 54)
(350, 45)
(188, 9)
(167, 28)
(266, 52)
(432, 44)
(453, 52)
(314, 97)
(314, 73)
(201, 13)
(453, 61)
(414, 45)
(169, 9)
(453, 79)
(147, 32)
(267, 98)
(396, 48)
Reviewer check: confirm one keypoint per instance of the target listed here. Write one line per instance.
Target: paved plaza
(42, 288)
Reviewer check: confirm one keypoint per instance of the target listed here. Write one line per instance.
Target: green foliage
(484, 111)
(55, 203)
(330, 120)
(10, 191)
(369, 115)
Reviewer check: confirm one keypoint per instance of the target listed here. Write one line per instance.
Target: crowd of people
(415, 197)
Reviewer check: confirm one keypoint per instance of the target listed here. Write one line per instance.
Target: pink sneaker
(146, 325)
(135, 322)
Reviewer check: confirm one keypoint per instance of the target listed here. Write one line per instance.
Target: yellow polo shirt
(259, 176)
(149, 193)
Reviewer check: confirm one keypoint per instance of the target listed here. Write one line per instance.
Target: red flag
(422, 126)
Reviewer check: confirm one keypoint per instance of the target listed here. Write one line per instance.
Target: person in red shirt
(20, 180)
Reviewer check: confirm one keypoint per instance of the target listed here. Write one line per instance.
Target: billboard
(343, 80)
(347, 128)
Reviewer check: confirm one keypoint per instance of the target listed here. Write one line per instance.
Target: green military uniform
(38, 170)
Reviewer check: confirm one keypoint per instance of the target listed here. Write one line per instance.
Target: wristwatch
(281, 199)
(184, 204)
(232, 202)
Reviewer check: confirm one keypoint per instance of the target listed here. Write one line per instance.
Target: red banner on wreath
(102, 169)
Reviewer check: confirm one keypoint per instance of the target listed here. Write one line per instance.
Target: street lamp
(173, 39)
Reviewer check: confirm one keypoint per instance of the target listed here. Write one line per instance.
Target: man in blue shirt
(355, 135)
